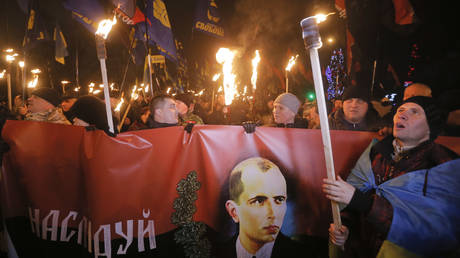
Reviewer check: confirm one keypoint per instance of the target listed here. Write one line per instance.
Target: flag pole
(312, 42)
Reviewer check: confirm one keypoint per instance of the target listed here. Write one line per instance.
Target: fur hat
(434, 116)
(48, 94)
(289, 100)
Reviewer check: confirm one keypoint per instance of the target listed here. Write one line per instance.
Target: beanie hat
(48, 94)
(71, 95)
(289, 100)
(91, 110)
(434, 116)
(357, 92)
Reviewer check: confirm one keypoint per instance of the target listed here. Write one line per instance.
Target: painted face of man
(410, 124)
(167, 113)
(282, 114)
(36, 104)
(355, 110)
(262, 206)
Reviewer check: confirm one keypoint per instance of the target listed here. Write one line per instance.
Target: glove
(189, 127)
(249, 126)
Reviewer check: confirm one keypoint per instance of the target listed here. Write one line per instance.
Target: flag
(128, 12)
(425, 223)
(207, 18)
(87, 12)
(340, 6)
(36, 29)
(158, 29)
(404, 12)
(61, 45)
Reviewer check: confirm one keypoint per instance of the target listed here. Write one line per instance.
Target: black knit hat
(358, 92)
(91, 110)
(187, 98)
(48, 94)
(434, 116)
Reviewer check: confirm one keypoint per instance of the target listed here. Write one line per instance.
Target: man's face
(36, 104)
(354, 109)
(67, 104)
(410, 124)
(262, 205)
(181, 107)
(282, 114)
(167, 113)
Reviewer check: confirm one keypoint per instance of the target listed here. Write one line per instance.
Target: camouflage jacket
(54, 115)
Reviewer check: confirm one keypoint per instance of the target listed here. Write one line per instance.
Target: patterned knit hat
(434, 116)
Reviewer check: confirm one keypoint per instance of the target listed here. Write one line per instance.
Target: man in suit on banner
(258, 195)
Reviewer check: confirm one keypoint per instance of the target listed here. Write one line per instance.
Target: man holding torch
(401, 197)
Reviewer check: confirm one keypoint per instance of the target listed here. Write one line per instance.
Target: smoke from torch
(225, 57)
(255, 63)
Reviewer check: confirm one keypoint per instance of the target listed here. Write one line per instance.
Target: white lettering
(54, 225)
(141, 232)
(128, 236)
(107, 242)
(82, 233)
(65, 222)
(35, 221)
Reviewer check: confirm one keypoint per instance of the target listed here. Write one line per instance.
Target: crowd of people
(409, 129)
(354, 110)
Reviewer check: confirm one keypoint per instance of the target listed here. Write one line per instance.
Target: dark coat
(284, 248)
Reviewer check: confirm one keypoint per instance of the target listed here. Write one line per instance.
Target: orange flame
(225, 57)
(255, 63)
(105, 26)
(291, 62)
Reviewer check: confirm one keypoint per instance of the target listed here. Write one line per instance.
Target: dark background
(270, 26)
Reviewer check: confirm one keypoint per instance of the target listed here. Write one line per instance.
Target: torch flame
(134, 95)
(255, 63)
(291, 62)
(216, 77)
(225, 57)
(322, 17)
(117, 109)
(33, 83)
(2, 74)
(105, 26)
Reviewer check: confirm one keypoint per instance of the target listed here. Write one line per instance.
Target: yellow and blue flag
(60, 45)
(36, 29)
(158, 29)
(87, 12)
(426, 205)
(207, 18)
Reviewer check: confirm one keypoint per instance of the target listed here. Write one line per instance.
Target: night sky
(270, 26)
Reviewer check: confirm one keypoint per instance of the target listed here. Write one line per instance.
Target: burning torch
(101, 35)
(312, 40)
(290, 64)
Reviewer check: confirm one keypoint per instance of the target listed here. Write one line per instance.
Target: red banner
(114, 196)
